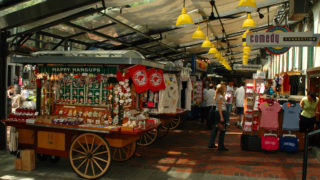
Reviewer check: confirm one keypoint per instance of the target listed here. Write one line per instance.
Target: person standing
(10, 95)
(203, 107)
(229, 97)
(211, 104)
(310, 107)
(239, 98)
(221, 116)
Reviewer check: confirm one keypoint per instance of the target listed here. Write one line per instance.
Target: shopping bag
(250, 142)
(289, 144)
(270, 143)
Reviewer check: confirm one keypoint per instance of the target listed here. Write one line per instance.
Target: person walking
(220, 118)
(229, 98)
(211, 104)
(239, 98)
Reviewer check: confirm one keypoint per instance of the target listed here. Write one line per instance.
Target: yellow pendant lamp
(198, 34)
(206, 43)
(247, 5)
(249, 23)
(217, 55)
(213, 50)
(246, 49)
(184, 19)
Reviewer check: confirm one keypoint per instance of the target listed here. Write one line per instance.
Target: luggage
(289, 144)
(250, 142)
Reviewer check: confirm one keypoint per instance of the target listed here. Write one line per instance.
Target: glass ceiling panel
(20, 6)
(115, 30)
(92, 21)
(62, 30)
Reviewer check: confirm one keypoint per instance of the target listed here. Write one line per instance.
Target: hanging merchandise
(156, 82)
(269, 115)
(269, 142)
(291, 116)
(294, 82)
(168, 97)
(286, 81)
(288, 144)
(138, 74)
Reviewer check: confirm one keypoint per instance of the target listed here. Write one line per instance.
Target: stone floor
(182, 154)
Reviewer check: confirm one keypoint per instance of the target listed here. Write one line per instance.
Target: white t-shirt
(223, 104)
(239, 94)
(209, 97)
(204, 100)
(229, 94)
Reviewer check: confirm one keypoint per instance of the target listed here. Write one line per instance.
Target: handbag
(250, 142)
(221, 126)
(270, 143)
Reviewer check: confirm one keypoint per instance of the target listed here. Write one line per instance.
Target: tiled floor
(183, 154)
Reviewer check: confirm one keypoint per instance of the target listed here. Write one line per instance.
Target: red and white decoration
(139, 76)
(156, 82)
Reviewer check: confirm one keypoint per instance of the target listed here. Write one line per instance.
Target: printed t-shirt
(291, 116)
(286, 85)
(209, 97)
(269, 115)
(229, 94)
(223, 104)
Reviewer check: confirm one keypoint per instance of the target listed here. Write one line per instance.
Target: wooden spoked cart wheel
(173, 123)
(123, 153)
(148, 138)
(90, 156)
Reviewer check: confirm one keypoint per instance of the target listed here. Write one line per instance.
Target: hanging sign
(247, 67)
(138, 74)
(78, 69)
(287, 39)
(270, 40)
(156, 81)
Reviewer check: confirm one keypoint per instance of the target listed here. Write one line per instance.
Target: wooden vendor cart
(82, 124)
(169, 121)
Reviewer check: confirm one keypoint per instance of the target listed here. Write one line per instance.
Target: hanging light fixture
(198, 34)
(249, 23)
(213, 50)
(184, 19)
(247, 5)
(206, 43)
(246, 48)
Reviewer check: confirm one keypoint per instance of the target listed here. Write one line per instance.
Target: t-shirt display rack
(277, 127)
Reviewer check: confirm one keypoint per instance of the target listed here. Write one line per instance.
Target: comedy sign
(271, 40)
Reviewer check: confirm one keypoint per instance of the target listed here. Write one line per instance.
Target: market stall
(164, 104)
(89, 107)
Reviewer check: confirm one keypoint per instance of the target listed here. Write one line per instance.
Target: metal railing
(305, 154)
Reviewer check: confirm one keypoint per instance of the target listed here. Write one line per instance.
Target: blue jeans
(215, 130)
(229, 108)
